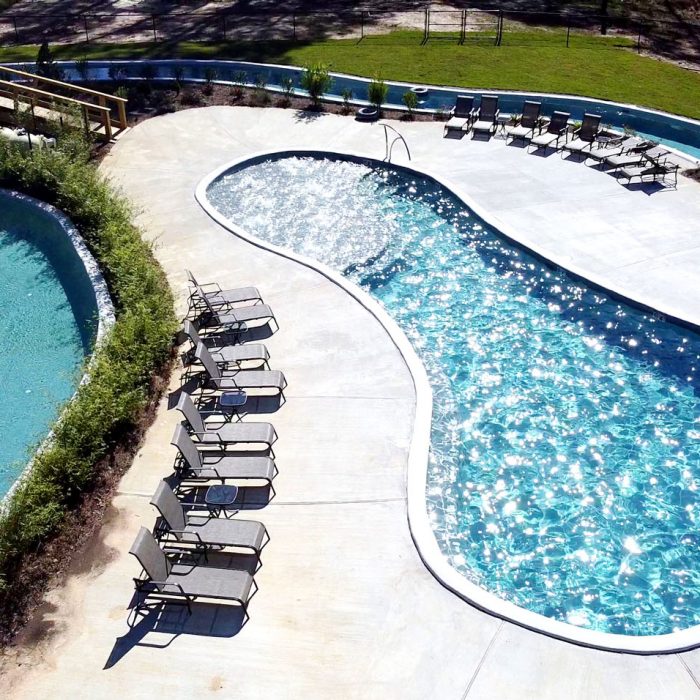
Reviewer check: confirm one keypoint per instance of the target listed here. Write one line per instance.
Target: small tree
(377, 92)
(316, 81)
(346, 94)
(411, 101)
(178, 77)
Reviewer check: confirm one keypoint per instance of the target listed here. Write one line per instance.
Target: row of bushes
(107, 407)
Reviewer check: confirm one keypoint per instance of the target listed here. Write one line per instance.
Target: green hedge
(139, 345)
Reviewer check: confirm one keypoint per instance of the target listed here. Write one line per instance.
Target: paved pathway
(345, 609)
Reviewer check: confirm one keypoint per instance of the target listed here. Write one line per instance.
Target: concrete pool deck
(346, 608)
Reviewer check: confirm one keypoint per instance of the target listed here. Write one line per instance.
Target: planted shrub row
(139, 345)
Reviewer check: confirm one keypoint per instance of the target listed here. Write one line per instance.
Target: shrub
(376, 93)
(109, 405)
(411, 101)
(178, 77)
(346, 94)
(82, 65)
(191, 98)
(45, 65)
(210, 76)
(316, 81)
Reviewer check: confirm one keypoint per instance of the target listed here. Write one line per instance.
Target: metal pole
(499, 28)
(14, 20)
(362, 24)
(639, 39)
(153, 22)
(294, 27)
(568, 32)
(463, 25)
(87, 36)
(224, 21)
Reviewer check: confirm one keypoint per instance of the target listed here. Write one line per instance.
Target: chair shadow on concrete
(159, 625)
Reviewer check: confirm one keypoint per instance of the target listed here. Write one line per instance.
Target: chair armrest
(185, 532)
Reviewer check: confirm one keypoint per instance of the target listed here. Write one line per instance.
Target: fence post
(224, 26)
(294, 26)
(85, 23)
(639, 39)
(362, 24)
(426, 30)
(153, 23)
(568, 32)
(462, 27)
(14, 21)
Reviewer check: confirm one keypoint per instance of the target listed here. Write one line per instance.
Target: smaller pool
(48, 325)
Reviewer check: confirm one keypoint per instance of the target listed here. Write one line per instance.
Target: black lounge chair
(195, 465)
(487, 116)
(634, 158)
(223, 434)
(222, 379)
(172, 581)
(250, 355)
(462, 114)
(584, 136)
(180, 528)
(524, 130)
(617, 146)
(657, 170)
(556, 129)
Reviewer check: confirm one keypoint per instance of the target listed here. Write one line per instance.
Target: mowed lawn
(605, 67)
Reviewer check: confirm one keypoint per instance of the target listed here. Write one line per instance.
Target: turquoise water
(46, 329)
(565, 458)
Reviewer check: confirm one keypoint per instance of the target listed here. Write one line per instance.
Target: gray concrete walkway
(345, 609)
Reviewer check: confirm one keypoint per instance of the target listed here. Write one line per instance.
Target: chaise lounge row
(197, 550)
(628, 157)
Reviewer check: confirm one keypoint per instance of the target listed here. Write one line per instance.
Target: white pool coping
(105, 312)
(419, 450)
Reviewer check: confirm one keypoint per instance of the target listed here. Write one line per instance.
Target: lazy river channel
(565, 449)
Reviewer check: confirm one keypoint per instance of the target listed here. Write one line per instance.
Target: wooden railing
(104, 116)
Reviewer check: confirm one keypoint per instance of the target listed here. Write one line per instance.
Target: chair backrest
(204, 356)
(463, 106)
(187, 448)
(150, 556)
(558, 122)
(488, 107)
(186, 406)
(589, 127)
(191, 332)
(531, 113)
(168, 506)
(191, 278)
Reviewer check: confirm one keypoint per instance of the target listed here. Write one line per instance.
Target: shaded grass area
(603, 67)
(101, 423)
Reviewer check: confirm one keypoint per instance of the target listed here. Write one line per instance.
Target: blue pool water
(47, 312)
(565, 458)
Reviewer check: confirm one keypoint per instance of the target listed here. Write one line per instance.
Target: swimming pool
(565, 441)
(48, 326)
(678, 132)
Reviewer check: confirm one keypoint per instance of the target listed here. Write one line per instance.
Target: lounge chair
(169, 581)
(488, 113)
(634, 158)
(557, 127)
(650, 168)
(584, 136)
(254, 353)
(232, 319)
(218, 297)
(224, 434)
(524, 130)
(616, 146)
(201, 530)
(193, 465)
(222, 379)
(462, 114)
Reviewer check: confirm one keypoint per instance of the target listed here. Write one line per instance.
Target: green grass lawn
(604, 67)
